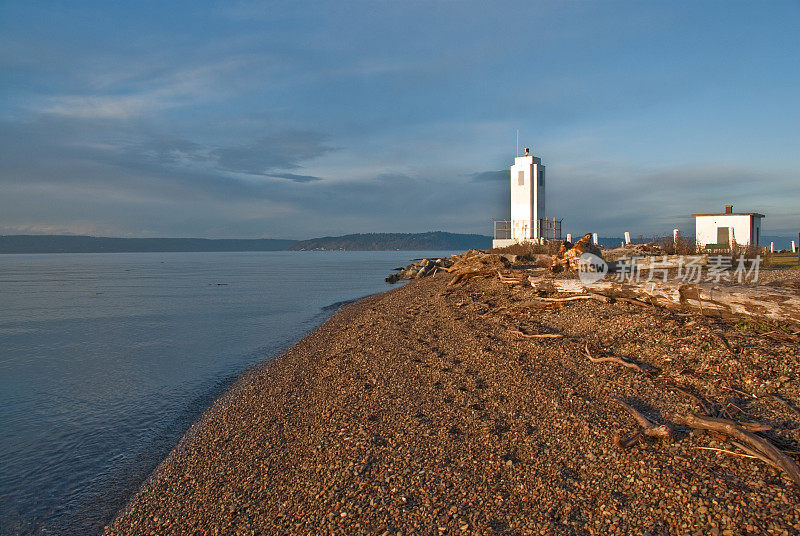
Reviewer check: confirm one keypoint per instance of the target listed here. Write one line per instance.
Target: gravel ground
(417, 412)
(780, 277)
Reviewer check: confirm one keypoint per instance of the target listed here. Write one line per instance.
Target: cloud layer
(295, 122)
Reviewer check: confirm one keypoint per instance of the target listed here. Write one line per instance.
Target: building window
(520, 178)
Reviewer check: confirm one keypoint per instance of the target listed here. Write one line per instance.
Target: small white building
(528, 222)
(728, 228)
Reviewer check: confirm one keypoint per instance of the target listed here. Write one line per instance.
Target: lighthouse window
(520, 178)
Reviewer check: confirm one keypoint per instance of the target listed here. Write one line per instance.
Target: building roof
(756, 214)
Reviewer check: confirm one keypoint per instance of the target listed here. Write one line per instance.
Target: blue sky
(300, 119)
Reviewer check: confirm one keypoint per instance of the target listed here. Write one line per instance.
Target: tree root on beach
(741, 434)
(748, 442)
(663, 432)
(617, 360)
(711, 410)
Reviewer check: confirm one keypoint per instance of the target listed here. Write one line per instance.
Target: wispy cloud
(73, 150)
(294, 177)
(120, 95)
(109, 106)
(283, 150)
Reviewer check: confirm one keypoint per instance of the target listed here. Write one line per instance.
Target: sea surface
(107, 359)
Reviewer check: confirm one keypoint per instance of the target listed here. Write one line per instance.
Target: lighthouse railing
(550, 229)
(502, 230)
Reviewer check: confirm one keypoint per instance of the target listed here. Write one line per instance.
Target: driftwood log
(781, 304)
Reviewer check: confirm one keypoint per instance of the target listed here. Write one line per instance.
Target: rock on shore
(420, 411)
(472, 260)
(419, 269)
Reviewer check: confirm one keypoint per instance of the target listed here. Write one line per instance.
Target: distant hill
(437, 240)
(93, 244)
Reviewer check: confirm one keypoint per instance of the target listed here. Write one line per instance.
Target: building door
(723, 235)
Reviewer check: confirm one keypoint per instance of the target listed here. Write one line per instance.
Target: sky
(304, 119)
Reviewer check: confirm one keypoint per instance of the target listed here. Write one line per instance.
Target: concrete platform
(503, 242)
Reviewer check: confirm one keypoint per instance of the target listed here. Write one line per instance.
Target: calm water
(106, 359)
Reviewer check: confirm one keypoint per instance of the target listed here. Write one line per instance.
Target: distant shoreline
(429, 241)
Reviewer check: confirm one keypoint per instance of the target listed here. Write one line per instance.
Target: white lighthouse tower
(528, 220)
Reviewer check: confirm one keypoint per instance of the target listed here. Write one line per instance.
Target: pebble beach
(423, 411)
